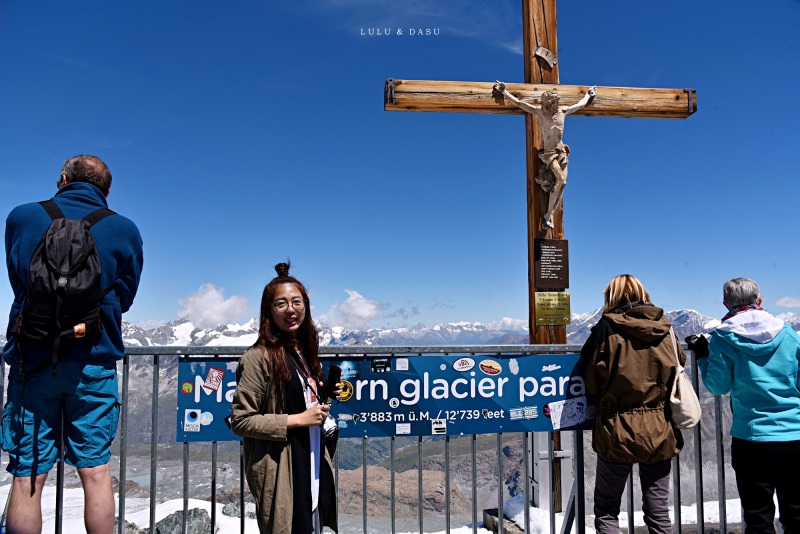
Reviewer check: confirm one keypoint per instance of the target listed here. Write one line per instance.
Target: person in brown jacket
(628, 364)
(277, 411)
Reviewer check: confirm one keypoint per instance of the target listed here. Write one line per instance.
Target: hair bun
(282, 269)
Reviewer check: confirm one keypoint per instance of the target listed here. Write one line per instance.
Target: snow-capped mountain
(183, 333)
(503, 332)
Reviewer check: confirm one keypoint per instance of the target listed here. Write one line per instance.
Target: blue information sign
(410, 395)
(453, 395)
(205, 393)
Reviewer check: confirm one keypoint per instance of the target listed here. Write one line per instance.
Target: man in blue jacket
(83, 388)
(755, 357)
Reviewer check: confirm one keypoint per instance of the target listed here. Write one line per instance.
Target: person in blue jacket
(754, 356)
(83, 388)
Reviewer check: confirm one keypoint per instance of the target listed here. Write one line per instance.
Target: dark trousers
(763, 468)
(610, 483)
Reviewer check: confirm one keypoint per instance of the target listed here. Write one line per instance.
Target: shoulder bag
(684, 404)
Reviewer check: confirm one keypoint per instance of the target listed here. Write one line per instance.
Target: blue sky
(246, 132)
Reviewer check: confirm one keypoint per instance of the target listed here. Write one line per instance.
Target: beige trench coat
(259, 416)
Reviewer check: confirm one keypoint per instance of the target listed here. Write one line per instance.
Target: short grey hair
(740, 292)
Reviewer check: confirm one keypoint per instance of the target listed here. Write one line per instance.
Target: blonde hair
(624, 289)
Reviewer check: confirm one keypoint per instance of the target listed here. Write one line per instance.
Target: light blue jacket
(754, 356)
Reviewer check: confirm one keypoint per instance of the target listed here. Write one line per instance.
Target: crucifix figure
(554, 154)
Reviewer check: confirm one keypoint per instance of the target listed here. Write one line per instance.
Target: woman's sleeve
(249, 398)
(681, 354)
(594, 360)
(716, 369)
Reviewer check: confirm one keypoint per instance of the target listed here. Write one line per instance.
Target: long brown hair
(276, 340)
(624, 289)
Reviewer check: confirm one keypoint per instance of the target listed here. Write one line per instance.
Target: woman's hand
(313, 416)
(338, 390)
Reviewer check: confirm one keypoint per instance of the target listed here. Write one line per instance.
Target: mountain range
(506, 331)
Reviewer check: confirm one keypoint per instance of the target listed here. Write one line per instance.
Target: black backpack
(63, 296)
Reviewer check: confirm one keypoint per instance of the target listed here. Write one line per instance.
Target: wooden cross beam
(477, 97)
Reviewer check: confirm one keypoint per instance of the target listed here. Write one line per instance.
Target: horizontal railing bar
(365, 350)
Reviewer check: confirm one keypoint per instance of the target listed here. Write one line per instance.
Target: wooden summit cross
(541, 74)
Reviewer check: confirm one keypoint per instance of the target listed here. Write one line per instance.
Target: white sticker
(402, 429)
(401, 364)
(206, 418)
(438, 427)
(191, 420)
(567, 412)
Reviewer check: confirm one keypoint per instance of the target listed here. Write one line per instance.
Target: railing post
(474, 449)
(500, 486)
(364, 481)
(580, 472)
(698, 458)
(123, 441)
(526, 468)
(185, 522)
(60, 478)
(447, 482)
(241, 488)
(154, 446)
(392, 482)
(554, 498)
(214, 485)
(676, 493)
(721, 493)
(421, 494)
(629, 489)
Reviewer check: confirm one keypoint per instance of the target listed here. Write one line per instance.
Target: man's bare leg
(25, 508)
(98, 513)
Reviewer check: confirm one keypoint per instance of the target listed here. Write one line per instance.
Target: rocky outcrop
(406, 496)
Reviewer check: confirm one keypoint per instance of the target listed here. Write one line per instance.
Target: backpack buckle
(79, 330)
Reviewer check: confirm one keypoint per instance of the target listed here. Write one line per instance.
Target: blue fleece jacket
(119, 246)
(755, 356)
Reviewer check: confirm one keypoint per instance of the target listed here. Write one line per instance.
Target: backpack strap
(94, 217)
(98, 215)
(52, 209)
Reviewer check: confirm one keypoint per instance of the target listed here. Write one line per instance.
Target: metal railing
(534, 450)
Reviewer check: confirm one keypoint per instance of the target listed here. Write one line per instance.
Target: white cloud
(788, 302)
(148, 324)
(509, 323)
(354, 313)
(208, 307)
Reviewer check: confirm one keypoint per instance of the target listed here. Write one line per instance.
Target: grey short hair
(740, 292)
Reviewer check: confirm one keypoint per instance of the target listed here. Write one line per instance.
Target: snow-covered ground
(540, 519)
(137, 511)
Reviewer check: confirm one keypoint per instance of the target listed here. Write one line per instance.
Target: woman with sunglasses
(279, 412)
